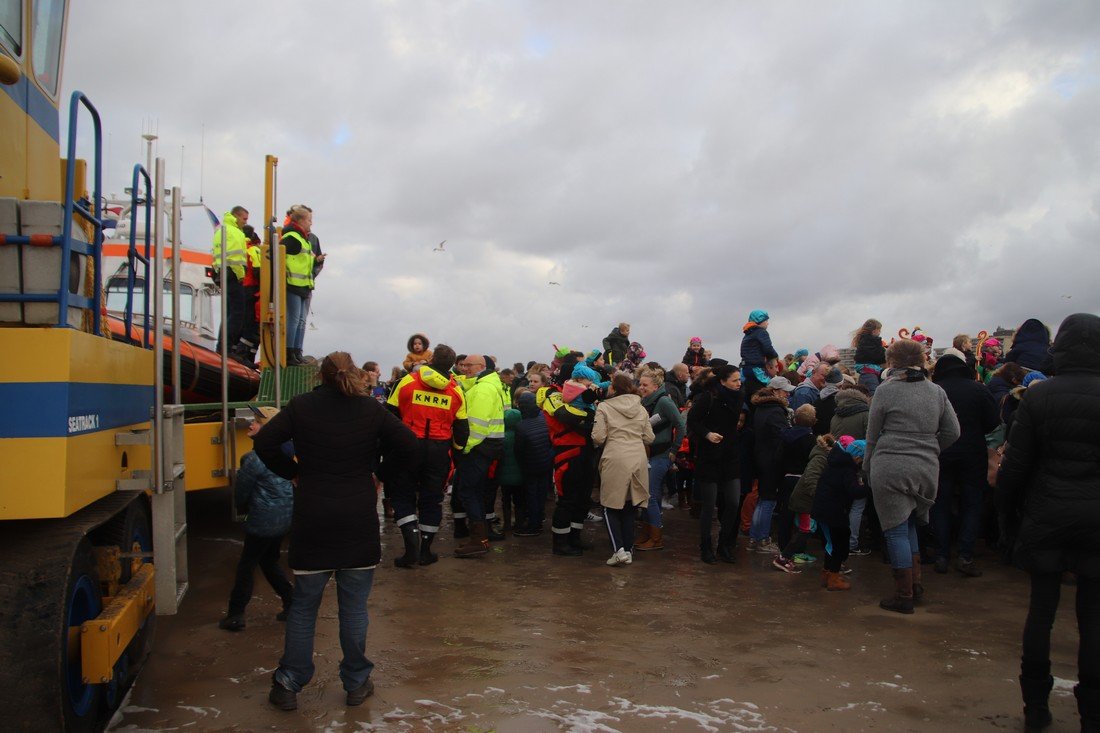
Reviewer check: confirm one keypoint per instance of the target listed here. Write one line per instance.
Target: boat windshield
(116, 298)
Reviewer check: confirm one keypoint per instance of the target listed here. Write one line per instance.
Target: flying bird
(439, 247)
(553, 283)
(1068, 297)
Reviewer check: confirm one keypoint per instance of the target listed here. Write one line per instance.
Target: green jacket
(802, 495)
(510, 473)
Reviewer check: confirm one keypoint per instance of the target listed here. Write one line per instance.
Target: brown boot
(918, 586)
(641, 533)
(836, 581)
(902, 602)
(654, 541)
(477, 543)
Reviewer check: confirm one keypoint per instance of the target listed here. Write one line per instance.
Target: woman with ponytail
(339, 432)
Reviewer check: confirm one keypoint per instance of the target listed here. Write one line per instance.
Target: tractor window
(49, 16)
(11, 26)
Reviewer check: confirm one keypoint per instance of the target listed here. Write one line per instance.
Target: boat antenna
(202, 159)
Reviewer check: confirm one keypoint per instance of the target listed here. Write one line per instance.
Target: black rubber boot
(411, 535)
(576, 540)
(1036, 694)
(726, 546)
(461, 530)
(563, 547)
(427, 557)
(706, 550)
(1088, 707)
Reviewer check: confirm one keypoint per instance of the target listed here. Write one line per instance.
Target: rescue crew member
(433, 407)
(299, 278)
(245, 351)
(485, 412)
(571, 435)
(235, 258)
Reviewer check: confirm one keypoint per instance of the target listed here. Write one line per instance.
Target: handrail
(132, 253)
(71, 207)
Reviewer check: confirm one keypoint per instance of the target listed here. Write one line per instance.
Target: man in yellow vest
(485, 416)
(233, 262)
(299, 278)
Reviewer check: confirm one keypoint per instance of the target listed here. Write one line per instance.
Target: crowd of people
(905, 450)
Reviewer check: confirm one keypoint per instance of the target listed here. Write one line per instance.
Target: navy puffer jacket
(268, 499)
(1031, 346)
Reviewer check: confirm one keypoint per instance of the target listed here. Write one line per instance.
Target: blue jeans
(352, 590)
(901, 542)
(658, 467)
(762, 520)
(855, 519)
(297, 311)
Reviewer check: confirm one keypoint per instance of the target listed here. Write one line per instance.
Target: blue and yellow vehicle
(94, 464)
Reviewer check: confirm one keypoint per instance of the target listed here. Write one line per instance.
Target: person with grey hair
(910, 423)
(809, 391)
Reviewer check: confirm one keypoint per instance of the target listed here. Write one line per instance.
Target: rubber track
(35, 557)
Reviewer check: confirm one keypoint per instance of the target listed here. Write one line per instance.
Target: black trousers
(1046, 590)
(620, 527)
(575, 497)
(235, 297)
(262, 551)
(419, 495)
(729, 490)
(839, 534)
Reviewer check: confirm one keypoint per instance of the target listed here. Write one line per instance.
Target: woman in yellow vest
(299, 279)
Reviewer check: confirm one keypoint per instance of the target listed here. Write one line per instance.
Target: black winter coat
(712, 411)
(694, 358)
(798, 441)
(615, 346)
(837, 488)
(974, 406)
(337, 440)
(1049, 482)
(1031, 346)
(826, 408)
(869, 350)
(534, 451)
(769, 422)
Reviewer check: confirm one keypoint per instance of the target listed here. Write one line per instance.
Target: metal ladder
(165, 479)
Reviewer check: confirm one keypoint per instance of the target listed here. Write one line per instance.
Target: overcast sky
(671, 164)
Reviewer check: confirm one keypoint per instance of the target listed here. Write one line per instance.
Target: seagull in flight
(553, 283)
(439, 247)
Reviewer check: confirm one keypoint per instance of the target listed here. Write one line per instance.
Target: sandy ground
(520, 640)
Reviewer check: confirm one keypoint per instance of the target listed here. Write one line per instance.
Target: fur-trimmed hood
(422, 337)
(767, 395)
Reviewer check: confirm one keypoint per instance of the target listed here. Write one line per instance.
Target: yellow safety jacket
(485, 407)
(299, 267)
(236, 244)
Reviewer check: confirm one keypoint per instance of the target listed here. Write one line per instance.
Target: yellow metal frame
(104, 638)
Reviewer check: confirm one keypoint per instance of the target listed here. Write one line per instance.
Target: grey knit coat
(910, 423)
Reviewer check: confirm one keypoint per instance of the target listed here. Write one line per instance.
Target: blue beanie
(758, 316)
(593, 355)
(856, 448)
(801, 352)
(1033, 377)
(583, 372)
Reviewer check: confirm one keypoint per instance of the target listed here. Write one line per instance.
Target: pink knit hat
(696, 340)
(845, 440)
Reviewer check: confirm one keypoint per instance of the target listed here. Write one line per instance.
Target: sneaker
(752, 546)
(234, 622)
(781, 563)
(282, 698)
(666, 504)
(766, 545)
(859, 552)
(941, 565)
(968, 568)
(359, 694)
(593, 516)
(803, 558)
(845, 570)
(625, 556)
